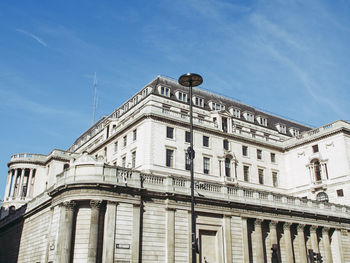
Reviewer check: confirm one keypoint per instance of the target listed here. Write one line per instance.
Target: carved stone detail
(325, 230)
(273, 224)
(258, 222)
(301, 227)
(287, 226)
(95, 204)
(69, 205)
(313, 228)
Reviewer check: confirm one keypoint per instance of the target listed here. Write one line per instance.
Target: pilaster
(288, 242)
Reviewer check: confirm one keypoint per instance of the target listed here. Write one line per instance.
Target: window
(317, 170)
(124, 140)
(340, 193)
(165, 108)
(216, 106)
(116, 147)
(124, 161)
(133, 159)
(169, 157)
(249, 116)
(281, 128)
(274, 179)
(182, 96)
(187, 161)
(294, 131)
(273, 157)
(235, 112)
(263, 121)
(187, 136)
(224, 124)
(245, 150)
(315, 148)
(205, 141)
(170, 132)
(164, 91)
(322, 197)
(227, 167)
(206, 165)
(246, 173)
(225, 144)
(261, 176)
(198, 101)
(134, 135)
(259, 154)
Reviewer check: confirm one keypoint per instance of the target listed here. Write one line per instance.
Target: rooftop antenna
(94, 106)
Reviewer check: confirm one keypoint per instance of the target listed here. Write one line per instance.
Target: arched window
(322, 197)
(227, 167)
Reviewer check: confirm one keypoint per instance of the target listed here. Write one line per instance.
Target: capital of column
(300, 227)
(325, 230)
(69, 205)
(95, 204)
(313, 229)
(287, 225)
(273, 224)
(258, 221)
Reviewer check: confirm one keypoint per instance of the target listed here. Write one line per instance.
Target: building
(121, 192)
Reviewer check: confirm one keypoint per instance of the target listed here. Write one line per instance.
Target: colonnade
(19, 186)
(296, 237)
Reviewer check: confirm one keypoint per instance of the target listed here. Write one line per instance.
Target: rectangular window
(274, 179)
(125, 140)
(182, 96)
(198, 101)
(205, 141)
(187, 161)
(340, 193)
(206, 165)
(315, 148)
(133, 159)
(245, 150)
(134, 135)
(124, 161)
(187, 136)
(246, 173)
(273, 157)
(259, 154)
(261, 176)
(169, 157)
(165, 91)
(170, 132)
(116, 147)
(226, 146)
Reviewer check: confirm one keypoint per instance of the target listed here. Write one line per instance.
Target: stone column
(327, 246)
(170, 235)
(314, 241)
(258, 241)
(14, 183)
(109, 232)
(136, 233)
(93, 235)
(66, 230)
(245, 239)
(273, 232)
(29, 181)
(19, 194)
(228, 239)
(301, 244)
(337, 244)
(8, 185)
(288, 242)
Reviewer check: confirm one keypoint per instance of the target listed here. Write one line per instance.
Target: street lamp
(191, 80)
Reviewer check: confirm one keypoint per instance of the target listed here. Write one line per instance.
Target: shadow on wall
(11, 228)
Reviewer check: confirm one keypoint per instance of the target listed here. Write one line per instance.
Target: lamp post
(191, 80)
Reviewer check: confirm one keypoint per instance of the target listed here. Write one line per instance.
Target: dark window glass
(340, 193)
(206, 141)
(187, 162)
(170, 132)
(169, 157)
(226, 144)
(261, 176)
(259, 154)
(227, 167)
(246, 173)
(315, 148)
(206, 165)
(187, 136)
(245, 150)
(273, 157)
(274, 179)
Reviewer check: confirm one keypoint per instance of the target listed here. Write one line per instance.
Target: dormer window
(235, 112)
(146, 91)
(164, 91)
(216, 106)
(135, 100)
(181, 96)
(198, 101)
(294, 131)
(281, 128)
(248, 116)
(262, 120)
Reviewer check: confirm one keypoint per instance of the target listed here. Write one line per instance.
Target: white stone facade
(121, 192)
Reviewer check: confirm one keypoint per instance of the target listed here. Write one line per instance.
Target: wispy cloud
(39, 40)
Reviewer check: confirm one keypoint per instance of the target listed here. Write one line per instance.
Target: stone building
(121, 192)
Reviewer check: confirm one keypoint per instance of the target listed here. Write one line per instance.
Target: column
(327, 246)
(14, 183)
(301, 244)
(258, 241)
(288, 242)
(29, 182)
(228, 239)
(170, 235)
(136, 233)
(109, 232)
(8, 185)
(93, 235)
(314, 241)
(66, 229)
(245, 239)
(337, 245)
(273, 240)
(19, 194)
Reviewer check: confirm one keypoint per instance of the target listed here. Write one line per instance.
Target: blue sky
(283, 56)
